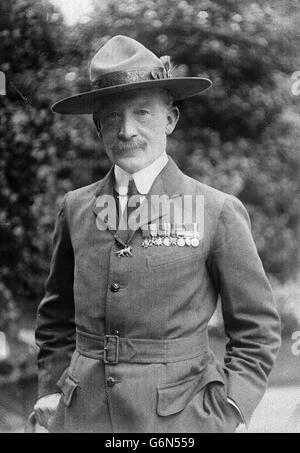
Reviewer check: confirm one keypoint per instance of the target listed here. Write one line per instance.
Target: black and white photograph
(150, 218)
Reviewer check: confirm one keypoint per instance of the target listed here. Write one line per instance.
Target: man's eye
(142, 112)
(112, 116)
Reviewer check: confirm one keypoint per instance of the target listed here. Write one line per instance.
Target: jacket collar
(143, 178)
(167, 183)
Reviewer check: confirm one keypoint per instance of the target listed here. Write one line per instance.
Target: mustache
(129, 146)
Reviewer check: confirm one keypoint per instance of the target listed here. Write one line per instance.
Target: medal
(146, 242)
(167, 241)
(167, 231)
(153, 233)
(181, 242)
(146, 238)
(195, 242)
(173, 238)
(189, 234)
(195, 235)
(187, 241)
(180, 231)
(159, 241)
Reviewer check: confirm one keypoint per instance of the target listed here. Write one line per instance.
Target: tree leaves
(242, 136)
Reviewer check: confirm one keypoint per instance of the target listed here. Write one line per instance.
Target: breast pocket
(174, 397)
(173, 256)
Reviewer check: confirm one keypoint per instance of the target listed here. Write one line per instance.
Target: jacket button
(115, 287)
(116, 332)
(110, 382)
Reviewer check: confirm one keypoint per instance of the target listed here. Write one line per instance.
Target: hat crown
(121, 53)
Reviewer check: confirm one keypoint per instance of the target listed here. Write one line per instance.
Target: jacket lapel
(104, 206)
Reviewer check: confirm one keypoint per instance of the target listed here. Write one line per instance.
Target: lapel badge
(126, 251)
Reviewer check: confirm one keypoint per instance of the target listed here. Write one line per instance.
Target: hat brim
(90, 101)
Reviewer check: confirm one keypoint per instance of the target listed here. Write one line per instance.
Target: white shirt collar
(143, 178)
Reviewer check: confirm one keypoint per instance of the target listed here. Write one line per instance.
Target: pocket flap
(67, 384)
(173, 397)
(172, 257)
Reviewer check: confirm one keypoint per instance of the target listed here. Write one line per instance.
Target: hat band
(127, 77)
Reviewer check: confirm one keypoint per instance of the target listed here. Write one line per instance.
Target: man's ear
(97, 124)
(172, 119)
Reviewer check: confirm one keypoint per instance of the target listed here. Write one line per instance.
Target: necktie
(132, 191)
(124, 216)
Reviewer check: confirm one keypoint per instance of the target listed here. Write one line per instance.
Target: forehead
(154, 98)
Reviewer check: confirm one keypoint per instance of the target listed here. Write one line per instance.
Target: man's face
(134, 126)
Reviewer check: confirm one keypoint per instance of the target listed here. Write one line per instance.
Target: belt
(113, 349)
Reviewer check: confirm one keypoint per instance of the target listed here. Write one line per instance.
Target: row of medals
(168, 235)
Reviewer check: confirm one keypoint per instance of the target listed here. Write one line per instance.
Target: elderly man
(122, 328)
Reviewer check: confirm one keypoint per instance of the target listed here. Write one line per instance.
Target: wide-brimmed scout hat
(123, 64)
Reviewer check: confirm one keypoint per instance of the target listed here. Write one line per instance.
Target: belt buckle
(116, 342)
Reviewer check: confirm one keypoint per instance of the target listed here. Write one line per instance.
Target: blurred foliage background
(242, 136)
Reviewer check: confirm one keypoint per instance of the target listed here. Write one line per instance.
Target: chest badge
(126, 251)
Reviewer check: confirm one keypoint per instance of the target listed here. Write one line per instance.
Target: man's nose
(127, 128)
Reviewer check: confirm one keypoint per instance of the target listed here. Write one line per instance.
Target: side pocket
(67, 384)
(215, 403)
(174, 397)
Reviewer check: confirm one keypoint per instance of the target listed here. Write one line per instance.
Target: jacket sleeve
(55, 331)
(251, 320)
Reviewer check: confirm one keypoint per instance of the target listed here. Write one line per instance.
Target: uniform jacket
(150, 311)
